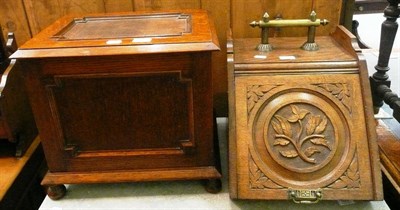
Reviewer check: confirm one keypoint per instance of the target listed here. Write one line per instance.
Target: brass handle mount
(311, 23)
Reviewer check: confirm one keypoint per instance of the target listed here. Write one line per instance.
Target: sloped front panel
(302, 133)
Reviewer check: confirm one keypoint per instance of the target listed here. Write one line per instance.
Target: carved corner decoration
(350, 179)
(258, 180)
(286, 135)
(341, 91)
(255, 93)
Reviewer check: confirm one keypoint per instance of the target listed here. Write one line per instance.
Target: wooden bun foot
(213, 185)
(56, 192)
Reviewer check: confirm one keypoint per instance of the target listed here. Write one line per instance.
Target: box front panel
(131, 113)
(124, 115)
(301, 135)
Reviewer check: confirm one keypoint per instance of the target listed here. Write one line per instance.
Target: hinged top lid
(336, 52)
(288, 55)
(124, 33)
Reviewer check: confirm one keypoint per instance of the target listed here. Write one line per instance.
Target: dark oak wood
(16, 119)
(27, 18)
(124, 108)
(48, 43)
(3, 57)
(56, 192)
(302, 122)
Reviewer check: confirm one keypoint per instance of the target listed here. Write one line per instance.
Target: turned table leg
(380, 82)
(56, 192)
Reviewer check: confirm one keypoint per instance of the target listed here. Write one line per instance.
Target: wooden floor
(20, 178)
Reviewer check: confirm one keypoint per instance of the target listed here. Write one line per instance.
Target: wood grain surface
(27, 18)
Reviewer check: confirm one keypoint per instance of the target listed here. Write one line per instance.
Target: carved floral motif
(255, 92)
(350, 179)
(286, 135)
(340, 91)
(258, 180)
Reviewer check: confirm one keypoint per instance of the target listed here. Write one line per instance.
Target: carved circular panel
(300, 136)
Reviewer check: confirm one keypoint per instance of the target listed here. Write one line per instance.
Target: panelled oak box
(124, 97)
(301, 122)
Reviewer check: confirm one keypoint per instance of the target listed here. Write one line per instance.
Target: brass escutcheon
(305, 196)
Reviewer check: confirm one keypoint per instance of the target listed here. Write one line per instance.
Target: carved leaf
(350, 179)
(267, 88)
(250, 105)
(341, 91)
(255, 92)
(354, 176)
(299, 114)
(346, 102)
(339, 184)
(252, 88)
(355, 184)
(312, 124)
(252, 96)
(295, 109)
(267, 183)
(321, 141)
(352, 172)
(327, 87)
(258, 180)
(293, 118)
(310, 151)
(259, 92)
(303, 113)
(277, 127)
(255, 184)
(345, 90)
(340, 95)
(255, 175)
(353, 165)
(346, 180)
(286, 128)
(281, 141)
(253, 167)
(321, 127)
(334, 89)
(289, 153)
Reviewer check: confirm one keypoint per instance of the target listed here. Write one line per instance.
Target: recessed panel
(301, 137)
(136, 112)
(117, 27)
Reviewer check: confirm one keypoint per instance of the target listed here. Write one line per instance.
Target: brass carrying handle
(289, 23)
(311, 23)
